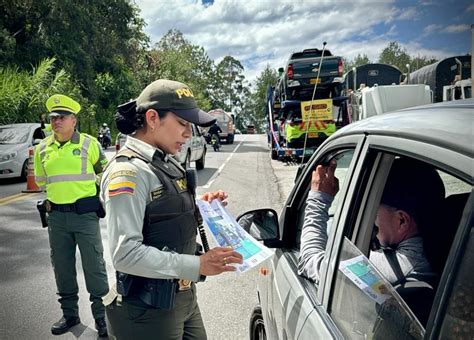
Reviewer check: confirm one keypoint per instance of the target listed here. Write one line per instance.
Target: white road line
(213, 178)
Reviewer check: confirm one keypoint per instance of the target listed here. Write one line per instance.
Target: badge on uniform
(155, 194)
(181, 184)
(124, 187)
(76, 152)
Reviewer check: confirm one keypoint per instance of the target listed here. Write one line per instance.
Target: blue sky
(261, 32)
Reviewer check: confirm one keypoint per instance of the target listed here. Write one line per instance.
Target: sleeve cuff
(321, 196)
(190, 267)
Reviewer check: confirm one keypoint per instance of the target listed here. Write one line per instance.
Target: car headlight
(8, 156)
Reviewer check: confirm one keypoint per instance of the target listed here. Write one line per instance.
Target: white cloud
(408, 14)
(456, 28)
(265, 32)
(431, 29)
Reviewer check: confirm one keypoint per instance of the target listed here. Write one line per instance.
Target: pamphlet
(226, 232)
(364, 275)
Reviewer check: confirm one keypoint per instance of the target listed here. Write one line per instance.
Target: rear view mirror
(261, 224)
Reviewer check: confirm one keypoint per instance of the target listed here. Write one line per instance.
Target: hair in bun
(127, 118)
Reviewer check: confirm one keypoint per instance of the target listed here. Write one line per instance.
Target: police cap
(168, 95)
(59, 104)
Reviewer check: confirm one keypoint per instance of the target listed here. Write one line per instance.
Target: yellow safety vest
(69, 171)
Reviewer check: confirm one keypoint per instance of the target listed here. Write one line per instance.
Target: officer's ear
(152, 119)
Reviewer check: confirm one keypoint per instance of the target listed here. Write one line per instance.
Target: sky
(266, 32)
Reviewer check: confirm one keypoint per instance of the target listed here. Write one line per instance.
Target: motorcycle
(216, 145)
(104, 140)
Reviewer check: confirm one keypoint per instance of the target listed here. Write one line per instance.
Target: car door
(294, 307)
(353, 311)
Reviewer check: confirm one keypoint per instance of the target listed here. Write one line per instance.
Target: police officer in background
(67, 163)
(152, 220)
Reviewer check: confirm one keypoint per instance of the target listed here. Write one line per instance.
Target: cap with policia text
(60, 104)
(168, 95)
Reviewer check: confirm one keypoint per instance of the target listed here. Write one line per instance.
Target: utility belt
(81, 206)
(157, 293)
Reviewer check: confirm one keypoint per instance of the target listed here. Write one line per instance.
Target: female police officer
(152, 220)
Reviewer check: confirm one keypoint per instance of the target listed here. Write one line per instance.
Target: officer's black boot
(101, 327)
(63, 325)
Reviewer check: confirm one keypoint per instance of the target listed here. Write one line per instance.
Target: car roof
(30, 125)
(447, 124)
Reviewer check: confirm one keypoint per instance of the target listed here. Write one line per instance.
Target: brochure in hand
(228, 233)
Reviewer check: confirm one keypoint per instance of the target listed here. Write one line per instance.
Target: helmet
(104, 125)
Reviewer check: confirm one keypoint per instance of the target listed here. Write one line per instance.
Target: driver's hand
(323, 179)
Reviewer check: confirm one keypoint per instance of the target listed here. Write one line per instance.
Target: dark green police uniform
(68, 173)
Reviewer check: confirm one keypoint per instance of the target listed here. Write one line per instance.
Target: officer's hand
(323, 179)
(217, 261)
(220, 195)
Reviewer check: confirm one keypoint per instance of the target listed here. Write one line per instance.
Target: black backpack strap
(393, 261)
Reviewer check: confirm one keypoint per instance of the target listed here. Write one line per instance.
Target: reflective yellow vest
(68, 172)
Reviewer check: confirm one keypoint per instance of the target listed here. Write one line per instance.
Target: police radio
(191, 179)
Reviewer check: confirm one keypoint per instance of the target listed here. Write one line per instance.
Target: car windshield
(13, 134)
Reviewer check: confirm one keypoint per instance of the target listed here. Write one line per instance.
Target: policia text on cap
(152, 220)
(66, 164)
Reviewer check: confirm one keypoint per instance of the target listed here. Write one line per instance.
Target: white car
(15, 141)
(193, 151)
(344, 303)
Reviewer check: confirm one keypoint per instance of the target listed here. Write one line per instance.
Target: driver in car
(412, 192)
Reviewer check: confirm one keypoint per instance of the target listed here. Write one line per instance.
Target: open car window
(344, 158)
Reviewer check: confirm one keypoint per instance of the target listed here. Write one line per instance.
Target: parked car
(294, 307)
(250, 129)
(193, 151)
(15, 142)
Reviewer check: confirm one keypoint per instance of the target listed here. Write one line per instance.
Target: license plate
(312, 135)
(313, 81)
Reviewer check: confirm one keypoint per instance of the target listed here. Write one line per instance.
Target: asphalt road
(27, 296)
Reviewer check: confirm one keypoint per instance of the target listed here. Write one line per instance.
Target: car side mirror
(261, 224)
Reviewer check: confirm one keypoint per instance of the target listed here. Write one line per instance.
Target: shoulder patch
(123, 187)
(123, 173)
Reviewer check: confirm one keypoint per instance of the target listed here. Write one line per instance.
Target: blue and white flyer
(226, 232)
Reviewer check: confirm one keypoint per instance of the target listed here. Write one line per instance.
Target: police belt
(81, 206)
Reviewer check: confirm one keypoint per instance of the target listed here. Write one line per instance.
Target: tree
(256, 103)
(24, 93)
(394, 54)
(229, 89)
(176, 58)
(359, 60)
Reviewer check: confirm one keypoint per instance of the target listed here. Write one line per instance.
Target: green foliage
(255, 107)
(359, 60)
(23, 94)
(394, 54)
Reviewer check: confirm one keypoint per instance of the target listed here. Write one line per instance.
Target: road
(28, 299)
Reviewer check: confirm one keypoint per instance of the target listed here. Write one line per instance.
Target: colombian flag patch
(125, 187)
